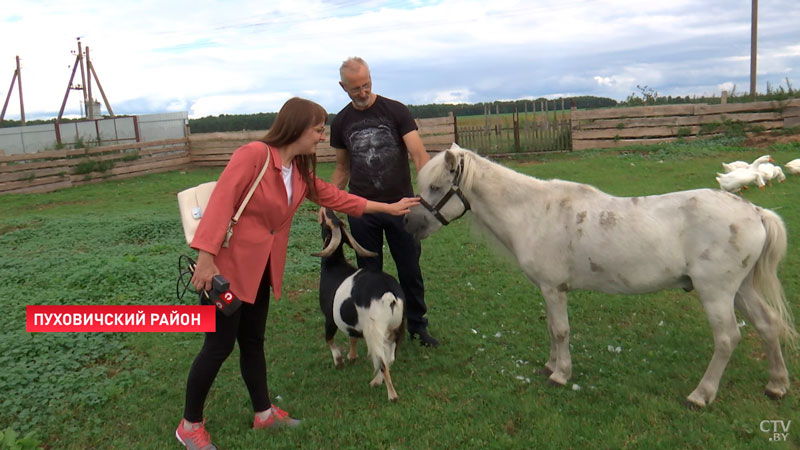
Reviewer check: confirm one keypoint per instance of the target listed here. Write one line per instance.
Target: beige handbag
(192, 203)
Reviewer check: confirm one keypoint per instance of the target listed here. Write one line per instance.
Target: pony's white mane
(473, 163)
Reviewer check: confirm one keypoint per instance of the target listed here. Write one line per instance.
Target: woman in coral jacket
(256, 254)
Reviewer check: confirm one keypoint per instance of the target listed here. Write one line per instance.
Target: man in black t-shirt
(374, 137)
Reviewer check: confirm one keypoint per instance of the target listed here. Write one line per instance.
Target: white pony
(567, 236)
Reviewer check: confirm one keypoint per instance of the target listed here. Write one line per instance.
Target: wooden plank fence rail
(57, 169)
(52, 170)
(616, 127)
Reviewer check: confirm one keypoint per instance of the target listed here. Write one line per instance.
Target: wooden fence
(542, 131)
(52, 170)
(214, 149)
(616, 127)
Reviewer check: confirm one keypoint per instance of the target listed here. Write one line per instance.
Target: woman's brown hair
(294, 118)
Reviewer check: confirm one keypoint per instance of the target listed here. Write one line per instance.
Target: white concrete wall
(37, 138)
(156, 127)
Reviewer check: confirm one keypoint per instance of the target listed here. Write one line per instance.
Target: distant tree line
(18, 123)
(507, 107)
(263, 121)
(649, 96)
(232, 122)
(645, 96)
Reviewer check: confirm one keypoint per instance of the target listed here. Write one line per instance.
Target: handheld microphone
(221, 296)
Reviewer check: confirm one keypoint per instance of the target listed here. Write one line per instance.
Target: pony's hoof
(556, 381)
(774, 395)
(694, 404)
(545, 371)
(338, 362)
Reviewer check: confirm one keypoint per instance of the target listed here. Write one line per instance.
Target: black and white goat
(360, 302)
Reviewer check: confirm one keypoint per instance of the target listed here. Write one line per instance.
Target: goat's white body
(377, 322)
(379, 314)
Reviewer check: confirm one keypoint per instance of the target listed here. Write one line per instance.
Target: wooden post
(455, 127)
(19, 87)
(83, 73)
(753, 48)
(8, 97)
(90, 100)
(100, 86)
(515, 120)
(69, 86)
(573, 123)
(724, 99)
(136, 128)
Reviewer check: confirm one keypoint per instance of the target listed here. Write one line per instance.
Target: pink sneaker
(197, 439)
(278, 418)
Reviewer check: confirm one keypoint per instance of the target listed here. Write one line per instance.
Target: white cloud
(452, 96)
(243, 56)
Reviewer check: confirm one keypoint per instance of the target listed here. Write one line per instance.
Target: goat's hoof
(393, 399)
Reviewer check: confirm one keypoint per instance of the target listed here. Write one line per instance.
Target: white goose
(761, 160)
(738, 179)
(793, 167)
(731, 166)
(771, 172)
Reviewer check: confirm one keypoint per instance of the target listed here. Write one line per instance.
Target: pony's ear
(455, 146)
(450, 159)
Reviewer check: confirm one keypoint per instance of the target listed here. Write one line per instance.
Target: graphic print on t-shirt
(375, 151)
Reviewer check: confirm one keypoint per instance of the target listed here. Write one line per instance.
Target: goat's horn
(361, 251)
(336, 239)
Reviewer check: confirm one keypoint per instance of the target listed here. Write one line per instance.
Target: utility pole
(753, 48)
(93, 72)
(18, 79)
(88, 101)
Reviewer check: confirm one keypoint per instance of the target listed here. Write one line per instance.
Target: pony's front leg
(559, 364)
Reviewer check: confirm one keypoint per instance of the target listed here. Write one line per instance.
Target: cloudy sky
(235, 57)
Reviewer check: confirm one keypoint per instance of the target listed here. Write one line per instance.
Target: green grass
(118, 243)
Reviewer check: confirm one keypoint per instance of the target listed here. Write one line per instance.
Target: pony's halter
(454, 189)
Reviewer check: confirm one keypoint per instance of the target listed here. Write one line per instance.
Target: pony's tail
(765, 275)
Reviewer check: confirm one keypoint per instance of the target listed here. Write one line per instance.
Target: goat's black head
(332, 230)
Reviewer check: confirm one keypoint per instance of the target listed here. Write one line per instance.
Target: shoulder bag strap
(235, 218)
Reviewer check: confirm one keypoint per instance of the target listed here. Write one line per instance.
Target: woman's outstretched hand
(401, 207)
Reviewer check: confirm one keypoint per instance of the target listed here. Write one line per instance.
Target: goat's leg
(352, 354)
(559, 364)
(378, 380)
(719, 309)
(389, 386)
(330, 332)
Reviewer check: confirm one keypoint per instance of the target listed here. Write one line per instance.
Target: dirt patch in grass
(762, 140)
